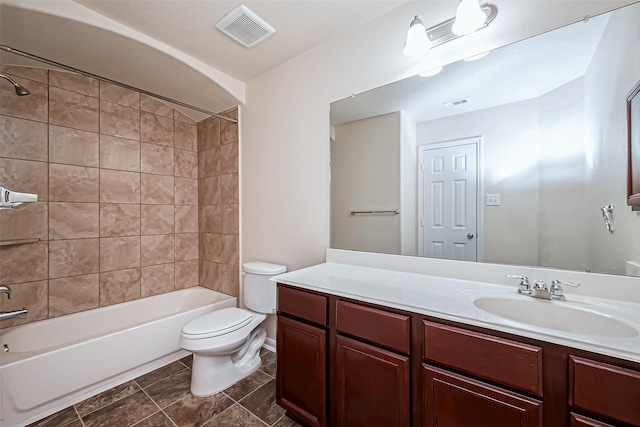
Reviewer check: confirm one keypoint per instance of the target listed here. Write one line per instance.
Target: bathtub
(55, 363)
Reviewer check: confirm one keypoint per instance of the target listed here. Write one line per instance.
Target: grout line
(158, 406)
(78, 414)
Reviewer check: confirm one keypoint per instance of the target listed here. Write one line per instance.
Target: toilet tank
(259, 291)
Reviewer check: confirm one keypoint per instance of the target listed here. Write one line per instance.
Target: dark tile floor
(162, 399)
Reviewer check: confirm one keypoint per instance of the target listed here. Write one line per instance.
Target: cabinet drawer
(604, 389)
(580, 421)
(302, 304)
(381, 327)
(454, 400)
(506, 362)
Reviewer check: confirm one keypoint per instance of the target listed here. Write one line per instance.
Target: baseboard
(269, 344)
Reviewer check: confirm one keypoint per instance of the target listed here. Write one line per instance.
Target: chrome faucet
(525, 284)
(556, 291)
(16, 314)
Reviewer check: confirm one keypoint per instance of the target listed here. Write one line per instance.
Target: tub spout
(16, 314)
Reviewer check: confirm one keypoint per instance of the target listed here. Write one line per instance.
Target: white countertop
(453, 299)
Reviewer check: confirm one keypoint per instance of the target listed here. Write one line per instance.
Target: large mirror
(518, 157)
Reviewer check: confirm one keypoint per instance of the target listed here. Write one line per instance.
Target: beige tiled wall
(116, 173)
(218, 203)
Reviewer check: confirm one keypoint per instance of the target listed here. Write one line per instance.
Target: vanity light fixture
(470, 17)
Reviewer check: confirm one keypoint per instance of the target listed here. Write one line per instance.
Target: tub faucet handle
(6, 290)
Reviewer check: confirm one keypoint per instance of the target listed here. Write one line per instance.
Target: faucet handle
(6, 290)
(525, 284)
(561, 282)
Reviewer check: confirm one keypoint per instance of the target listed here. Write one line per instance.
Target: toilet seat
(216, 323)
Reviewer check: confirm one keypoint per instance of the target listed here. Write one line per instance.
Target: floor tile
(187, 361)
(106, 398)
(235, 416)
(286, 422)
(123, 412)
(262, 403)
(59, 419)
(156, 420)
(247, 385)
(268, 363)
(170, 389)
(192, 411)
(160, 374)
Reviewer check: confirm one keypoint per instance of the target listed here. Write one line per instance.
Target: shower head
(20, 90)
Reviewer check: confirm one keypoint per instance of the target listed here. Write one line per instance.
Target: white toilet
(226, 343)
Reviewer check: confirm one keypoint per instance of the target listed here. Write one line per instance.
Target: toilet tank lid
(264, 268)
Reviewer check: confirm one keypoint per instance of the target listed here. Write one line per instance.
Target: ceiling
(521, 71)
(170, 47)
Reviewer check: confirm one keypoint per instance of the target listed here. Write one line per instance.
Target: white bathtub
(54, 363)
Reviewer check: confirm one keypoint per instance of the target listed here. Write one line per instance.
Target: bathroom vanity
(363, 346)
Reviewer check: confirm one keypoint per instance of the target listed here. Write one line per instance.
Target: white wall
(365, 162)
(611, 75)
(285, 121)
(408, 186)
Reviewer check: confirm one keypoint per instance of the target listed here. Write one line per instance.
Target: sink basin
(556, 315)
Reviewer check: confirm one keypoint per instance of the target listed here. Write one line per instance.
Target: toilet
(226, 343)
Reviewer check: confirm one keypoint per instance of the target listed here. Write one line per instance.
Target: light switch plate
(493, 200)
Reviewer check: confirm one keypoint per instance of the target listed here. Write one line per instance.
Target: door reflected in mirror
(547, 121)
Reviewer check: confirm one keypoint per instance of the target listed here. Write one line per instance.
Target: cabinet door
(580, 421)
(301, 378)
(451, 400)
(372, 386)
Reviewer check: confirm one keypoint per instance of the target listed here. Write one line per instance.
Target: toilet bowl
(226, 343)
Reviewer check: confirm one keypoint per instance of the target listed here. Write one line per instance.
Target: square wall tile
(157, 219)
(34, 296)
(73, 110)
(230, 219)
(212, 247)
(119, 253)
(73, 183)
(25, 175)
(186, 246)
(119, 286)
(158, 249)
(23, 139)
(230, 280)
(119, 95)
(186, 163)
(156, 129)
(210, 218)
(24, 263)
(186, 274)
(118, 120)
(229, 188)
(157, 279)
(119, 153)
(73, 147)
(186, 136)
(228, 129)
(36, 74)
(156, 159)
(73, 294)
(73, 257)
(179, 117)
(210, 190)
(155, 106)
(32, 107)
(186, 191)
(119, 219)
(210, 276)
(74, 82)
(186, 219)
(157, 189)
(209, 162)
(230, 249)
(73, 220)
(28, 222)
(119, 186)
(229, 158)
(210, 134)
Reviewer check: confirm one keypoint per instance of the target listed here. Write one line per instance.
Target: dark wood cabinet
(301, 371)
(347, 363)
(452, 400)
(372, 386)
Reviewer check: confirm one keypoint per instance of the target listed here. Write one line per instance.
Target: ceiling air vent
(457, 102)
(245, 27)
